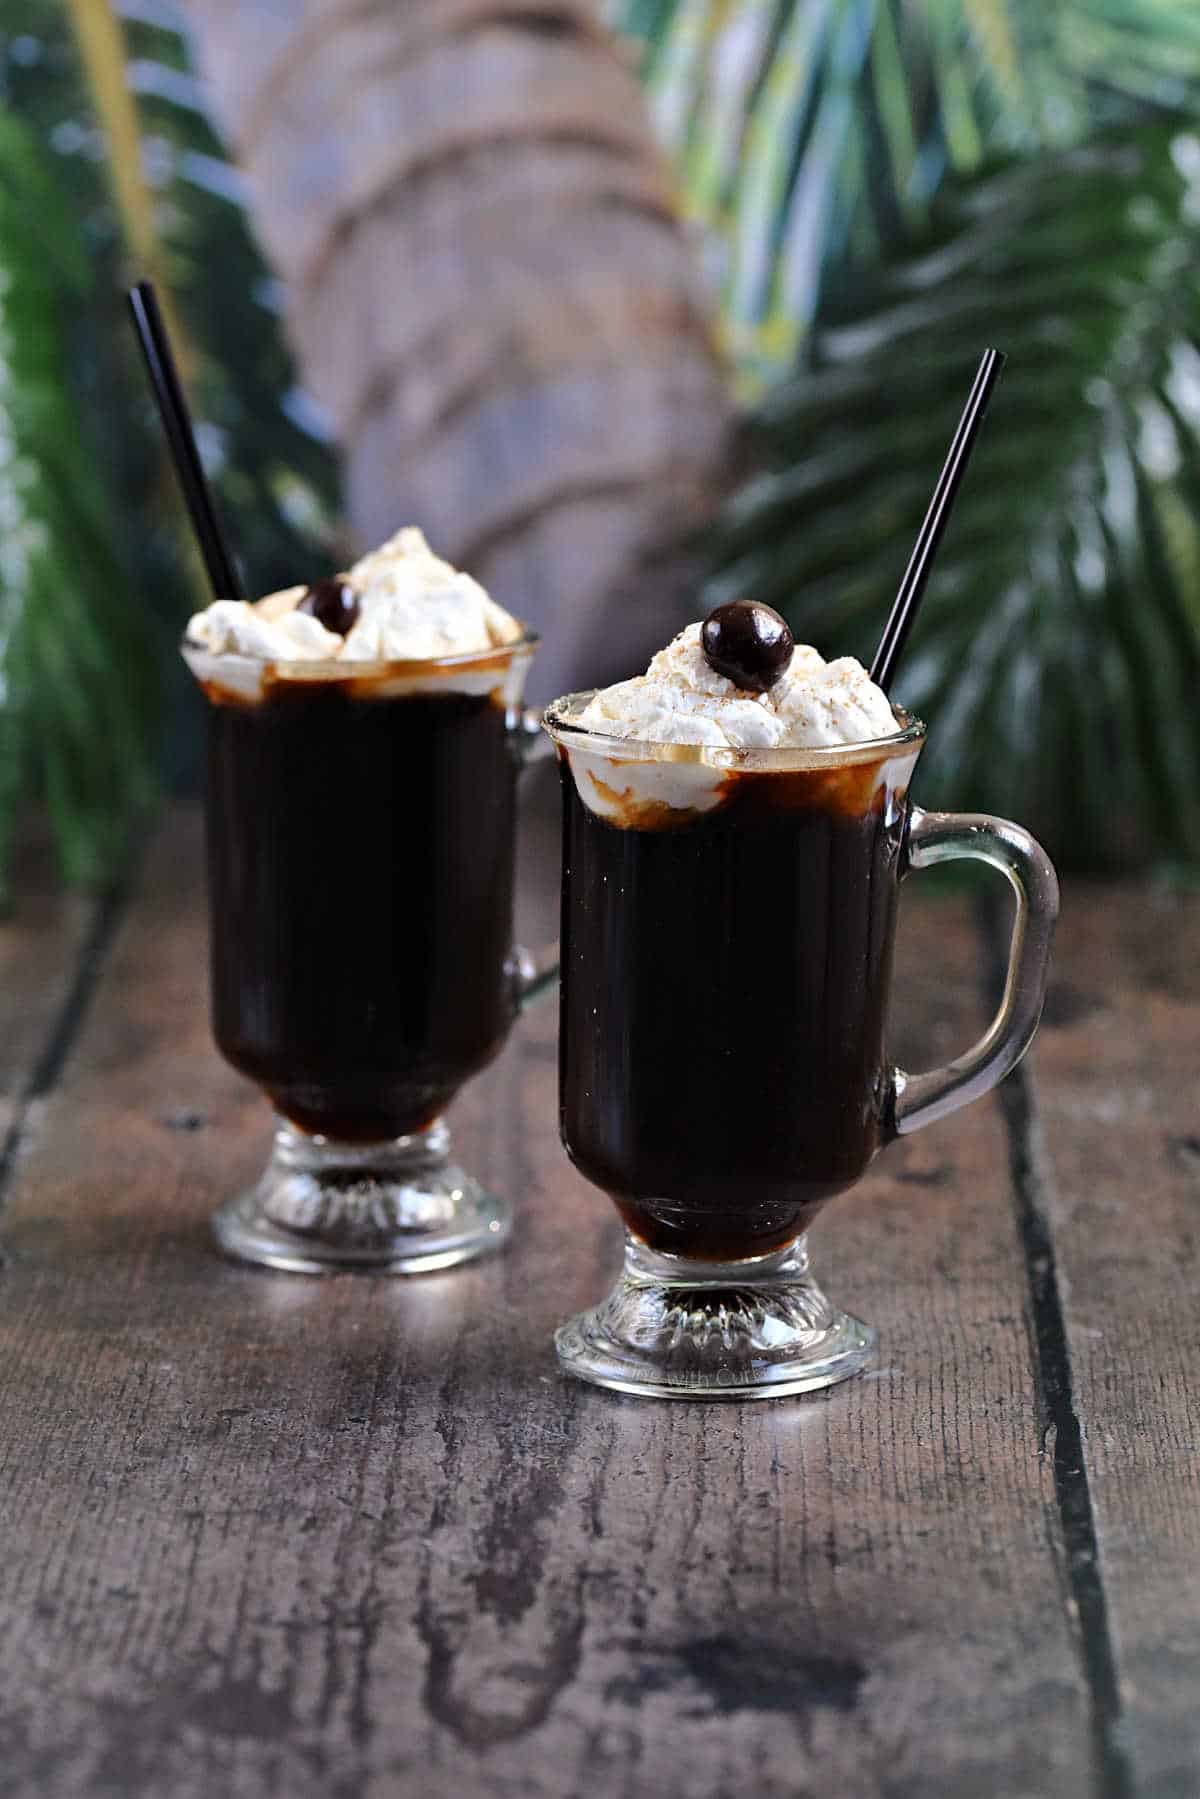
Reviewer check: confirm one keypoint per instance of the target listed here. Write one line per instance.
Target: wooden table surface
(264, 1535)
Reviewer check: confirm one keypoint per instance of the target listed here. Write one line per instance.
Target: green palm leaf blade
(810, 134)
(275, 470)
(276, 475)
(77, 682)
(1057, 653)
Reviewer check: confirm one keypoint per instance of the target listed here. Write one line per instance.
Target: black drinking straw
(908, 598)
(177, 423)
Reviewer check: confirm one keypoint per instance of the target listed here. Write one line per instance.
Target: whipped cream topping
(412, 606)
(682, 699)
(233, 628)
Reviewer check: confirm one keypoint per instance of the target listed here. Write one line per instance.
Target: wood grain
(49, 941)
(1115, 1165)
(274, 1536)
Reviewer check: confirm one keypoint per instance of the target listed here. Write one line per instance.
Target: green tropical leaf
(276, 474)
(272, 462)
(1057, 655)
(77, 681)
(813, 133)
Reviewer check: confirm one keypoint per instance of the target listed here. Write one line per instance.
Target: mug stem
(396, 1207)
(677, 1328)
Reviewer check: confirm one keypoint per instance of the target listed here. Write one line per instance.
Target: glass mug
(361, 831)
(727, 930)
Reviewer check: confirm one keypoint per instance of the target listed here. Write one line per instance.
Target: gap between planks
(1061, 1431)
(65, 1023)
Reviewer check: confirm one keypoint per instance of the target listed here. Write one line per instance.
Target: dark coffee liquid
(724, 986)
(360, 877)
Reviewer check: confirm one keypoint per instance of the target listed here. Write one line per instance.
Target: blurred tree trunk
(490, 292)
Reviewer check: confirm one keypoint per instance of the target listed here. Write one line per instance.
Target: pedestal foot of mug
(674, 1329)
(401, 1207)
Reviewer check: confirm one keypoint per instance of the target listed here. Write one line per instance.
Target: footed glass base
(400, 1207)
(675, 1329)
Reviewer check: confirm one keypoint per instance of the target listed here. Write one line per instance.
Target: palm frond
(276, 472)
(77, 682)
(275, 468)
(270, 457)
(1057, 657)
(813, 133)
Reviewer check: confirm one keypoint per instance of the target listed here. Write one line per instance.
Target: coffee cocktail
(361, 870)
(736, 825)
(364, 743)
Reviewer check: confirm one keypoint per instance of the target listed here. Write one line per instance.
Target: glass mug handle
(933, 837)
(533, 976)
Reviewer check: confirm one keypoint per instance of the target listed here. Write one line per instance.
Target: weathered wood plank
(1115, 1166)
(274, 1536)
(43, 938)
